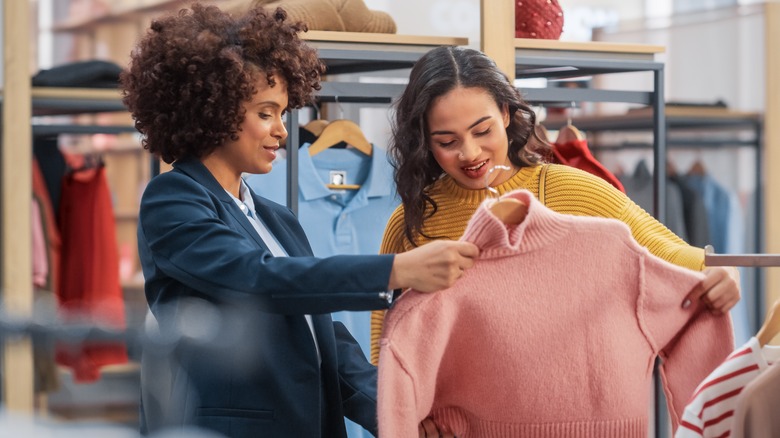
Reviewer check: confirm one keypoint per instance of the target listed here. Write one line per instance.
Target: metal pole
(659, 210)
(293, 141)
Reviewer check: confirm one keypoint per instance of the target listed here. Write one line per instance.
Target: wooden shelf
(83, 24)
(314, 36)
(355, 52)
(590, 46)
(61, 101)
(553, 59)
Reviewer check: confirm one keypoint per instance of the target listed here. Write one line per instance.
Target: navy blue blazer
(250, 367)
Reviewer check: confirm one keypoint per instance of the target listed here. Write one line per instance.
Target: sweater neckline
(452, 190)
(540, 228)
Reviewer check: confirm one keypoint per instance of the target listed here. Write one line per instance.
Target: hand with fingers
(719, 290)
(433, 266)
(428, 429)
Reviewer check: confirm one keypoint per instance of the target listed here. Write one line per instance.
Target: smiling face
(260, 134)
(468, 137)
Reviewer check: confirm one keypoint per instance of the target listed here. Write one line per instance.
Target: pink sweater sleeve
(691, 342)
(396, 401)
(411, 350)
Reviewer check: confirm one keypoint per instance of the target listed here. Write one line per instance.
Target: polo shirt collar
(377, 181)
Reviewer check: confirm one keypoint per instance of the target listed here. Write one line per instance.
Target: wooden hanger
(569, 133)
(542, 133)
(697, 168)
(771, 327)
(341, 130)
(316, 126)
(510, 211)
(671, 170)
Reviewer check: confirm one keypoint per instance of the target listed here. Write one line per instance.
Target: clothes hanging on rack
(51, 231)
(576, 153)
(40, 262)
(51, 164)
(727, 234)
(694, 213)
(711, 408)
(89, 279)
(724, 213)
(45, 370)
(639, 187)
(453, 355)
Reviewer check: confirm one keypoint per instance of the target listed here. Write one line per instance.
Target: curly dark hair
(191, 73)
(435, 74)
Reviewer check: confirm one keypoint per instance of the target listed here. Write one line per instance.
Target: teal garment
(337, 222)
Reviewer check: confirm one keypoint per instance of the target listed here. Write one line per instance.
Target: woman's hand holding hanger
(719, 290)
(433, 266)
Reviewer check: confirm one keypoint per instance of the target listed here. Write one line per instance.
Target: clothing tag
(338, 177)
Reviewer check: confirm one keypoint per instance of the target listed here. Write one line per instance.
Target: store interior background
(715, 50)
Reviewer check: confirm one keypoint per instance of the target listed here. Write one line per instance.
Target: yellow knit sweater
(567, 190)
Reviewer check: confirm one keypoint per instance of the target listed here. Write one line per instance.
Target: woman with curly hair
(459, 118)
(230, 274)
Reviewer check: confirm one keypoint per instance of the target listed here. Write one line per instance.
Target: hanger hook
(493, 190)
(541, 114)
(316, 108)
(341, 108)
(568, 113)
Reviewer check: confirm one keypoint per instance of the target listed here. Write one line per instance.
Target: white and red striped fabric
(711, 409)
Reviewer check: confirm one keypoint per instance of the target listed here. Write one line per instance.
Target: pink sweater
(553, 333)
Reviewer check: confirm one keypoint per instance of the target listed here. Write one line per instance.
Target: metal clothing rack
(746, 260)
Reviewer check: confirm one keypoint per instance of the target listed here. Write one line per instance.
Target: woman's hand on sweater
(433, 266)
(719, 290)
(428, 429)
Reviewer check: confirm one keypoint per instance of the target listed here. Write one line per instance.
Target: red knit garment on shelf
(541, 19)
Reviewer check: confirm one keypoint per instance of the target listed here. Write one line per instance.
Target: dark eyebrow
(268, 102)
(470, 126)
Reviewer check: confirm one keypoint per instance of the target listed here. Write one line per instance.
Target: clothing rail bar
(752, 260)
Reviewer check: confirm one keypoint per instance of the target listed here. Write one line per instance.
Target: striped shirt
(710, 411)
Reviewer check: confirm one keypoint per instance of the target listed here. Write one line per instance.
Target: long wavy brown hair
(190, 74)
(435, 74)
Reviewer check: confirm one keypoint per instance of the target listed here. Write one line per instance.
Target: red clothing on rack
(89, 283)
(50, 229)
(576, 154)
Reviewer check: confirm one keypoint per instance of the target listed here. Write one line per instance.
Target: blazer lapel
(197, 171)
(294, 245)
